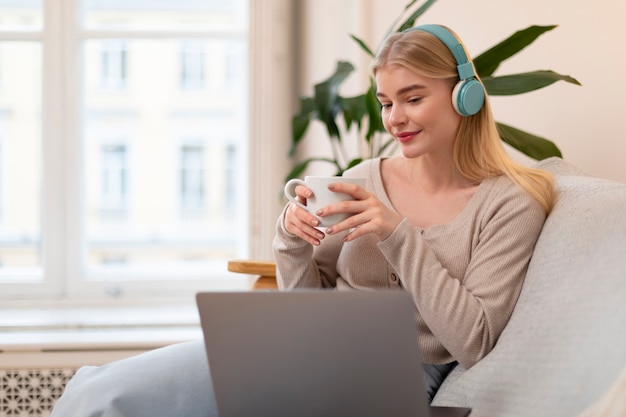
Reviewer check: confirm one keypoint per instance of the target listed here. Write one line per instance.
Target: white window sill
(101, 327)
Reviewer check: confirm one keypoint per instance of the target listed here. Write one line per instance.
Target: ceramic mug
(322, 195)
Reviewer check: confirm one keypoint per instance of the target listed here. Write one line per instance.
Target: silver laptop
(315, 353)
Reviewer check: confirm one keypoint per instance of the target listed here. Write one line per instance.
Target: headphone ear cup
(468, 97)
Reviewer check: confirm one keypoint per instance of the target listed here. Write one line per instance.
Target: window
(97, 195)
(192, 179)
(114, 180)
(21, 146)
(192, 65)
(114, 64)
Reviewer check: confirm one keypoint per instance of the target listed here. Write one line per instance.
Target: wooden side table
(265, 272)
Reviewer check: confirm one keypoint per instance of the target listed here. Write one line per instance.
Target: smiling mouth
(406, 136)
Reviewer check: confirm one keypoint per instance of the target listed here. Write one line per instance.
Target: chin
(411, 153)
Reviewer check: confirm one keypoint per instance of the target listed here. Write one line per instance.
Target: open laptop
(315, 353)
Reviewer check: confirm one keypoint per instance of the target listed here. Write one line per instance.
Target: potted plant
(340, 114)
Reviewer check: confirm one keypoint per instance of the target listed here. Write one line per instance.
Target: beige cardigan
(464, 276)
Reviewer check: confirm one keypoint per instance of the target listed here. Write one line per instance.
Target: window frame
(270, 87)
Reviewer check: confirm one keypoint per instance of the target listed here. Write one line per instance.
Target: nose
(397, 115)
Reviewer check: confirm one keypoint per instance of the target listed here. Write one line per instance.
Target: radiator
(37, 362)
(31, 392)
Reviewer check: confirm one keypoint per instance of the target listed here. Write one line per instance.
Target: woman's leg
(167, 382)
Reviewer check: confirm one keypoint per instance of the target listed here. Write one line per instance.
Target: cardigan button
(394, 278)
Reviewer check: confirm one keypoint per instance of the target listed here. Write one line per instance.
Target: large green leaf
(373, 110)
(363, 45)
(354, 162)
(299, 126)
(534, 146)
(300, 168)
(410, 21)
(327, 97)
(354, 110)
(300, 122)
(508, 85)
(487, 62)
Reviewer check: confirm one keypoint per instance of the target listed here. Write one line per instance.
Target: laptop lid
(313, 353)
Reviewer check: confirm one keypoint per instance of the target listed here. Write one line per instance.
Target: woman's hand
(370, 215)
(300, 222)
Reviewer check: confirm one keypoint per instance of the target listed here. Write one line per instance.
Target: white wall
(585, 122)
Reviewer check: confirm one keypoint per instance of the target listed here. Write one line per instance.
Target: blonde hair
(478, 149)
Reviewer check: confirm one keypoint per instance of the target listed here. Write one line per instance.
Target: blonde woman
(451, 219)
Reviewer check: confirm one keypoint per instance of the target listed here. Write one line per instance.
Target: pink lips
(404, 137)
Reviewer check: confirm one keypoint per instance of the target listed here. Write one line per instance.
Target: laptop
(313, 353)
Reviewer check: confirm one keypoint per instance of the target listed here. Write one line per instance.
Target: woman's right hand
(300, 222)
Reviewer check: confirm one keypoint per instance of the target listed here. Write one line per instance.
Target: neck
(434, 174)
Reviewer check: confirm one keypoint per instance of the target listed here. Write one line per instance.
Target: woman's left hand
(370, 215)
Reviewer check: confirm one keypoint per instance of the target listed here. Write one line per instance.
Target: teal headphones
(468, 96)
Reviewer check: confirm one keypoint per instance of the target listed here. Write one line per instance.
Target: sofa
(564, 346)
(565, 343)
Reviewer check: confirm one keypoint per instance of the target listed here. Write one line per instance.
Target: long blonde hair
(478, 149)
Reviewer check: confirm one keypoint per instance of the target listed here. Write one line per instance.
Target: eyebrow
(404, 90)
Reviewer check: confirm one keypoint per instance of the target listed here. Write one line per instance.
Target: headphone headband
(468, 95)
(464, 66)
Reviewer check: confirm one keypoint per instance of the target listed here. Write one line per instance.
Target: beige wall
(587, 123)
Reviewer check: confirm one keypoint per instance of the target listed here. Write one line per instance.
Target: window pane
(165, 14)
(160, 158)
(21, 15)
(192, 179)
(20, 160)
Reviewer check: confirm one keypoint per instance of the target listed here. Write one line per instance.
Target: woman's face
(417, 111)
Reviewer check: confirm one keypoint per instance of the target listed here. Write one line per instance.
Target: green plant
(340, 114)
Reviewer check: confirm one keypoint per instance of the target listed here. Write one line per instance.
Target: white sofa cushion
(565, 343)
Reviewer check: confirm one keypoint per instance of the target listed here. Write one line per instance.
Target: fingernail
(329, 231)
(315, 222)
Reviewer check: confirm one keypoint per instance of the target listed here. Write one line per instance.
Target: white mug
(322, 195)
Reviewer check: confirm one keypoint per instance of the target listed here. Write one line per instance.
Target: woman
(451, 220)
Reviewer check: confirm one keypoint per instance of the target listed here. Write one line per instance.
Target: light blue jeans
(170, 382)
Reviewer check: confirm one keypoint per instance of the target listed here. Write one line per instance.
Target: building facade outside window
(192, 179)
(114, 64)
(98, 196)
(114, 191)
(192, 65)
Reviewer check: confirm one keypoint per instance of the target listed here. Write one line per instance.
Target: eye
(385, 105)
(415, 100)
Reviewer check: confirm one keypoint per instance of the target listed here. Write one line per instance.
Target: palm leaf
(410, 21)
(300, 168)
(373, 111)
(354, 109)
(363, 46)
(299, 126)
(327, 97)
(509, 85)
(534, 146)
(487, 62)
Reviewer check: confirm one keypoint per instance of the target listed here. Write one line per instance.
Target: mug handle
(290, 191)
